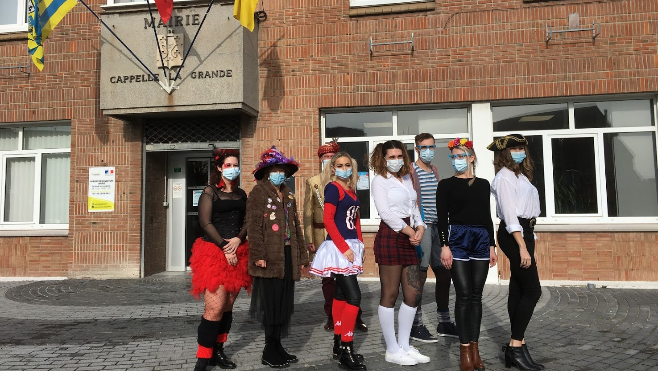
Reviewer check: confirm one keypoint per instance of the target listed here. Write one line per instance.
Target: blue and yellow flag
(42, 19)
(243, 11)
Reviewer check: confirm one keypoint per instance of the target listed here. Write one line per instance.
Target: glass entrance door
(196, 179)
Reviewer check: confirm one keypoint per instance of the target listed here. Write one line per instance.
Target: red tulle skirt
(210, 269)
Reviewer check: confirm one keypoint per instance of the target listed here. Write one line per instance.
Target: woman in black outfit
(466, 233)
(517, 205)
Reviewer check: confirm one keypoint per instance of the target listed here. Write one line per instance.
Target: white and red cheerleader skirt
(210, 269)
(328, 259)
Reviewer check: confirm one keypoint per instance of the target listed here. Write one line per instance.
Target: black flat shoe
(348, 360)
(201, 364)
(290, 358)
(220, 359)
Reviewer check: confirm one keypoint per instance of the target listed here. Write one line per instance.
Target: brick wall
(34, 256)
(155, 231)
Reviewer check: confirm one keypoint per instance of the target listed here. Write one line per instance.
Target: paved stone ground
(150, 324)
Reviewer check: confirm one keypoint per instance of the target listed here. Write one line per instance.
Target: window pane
(630, 172)
(359, 152)
(55, 170)
(360, 124)
(613, 114)
(536, 153)
(574, 176)
(19, 190)
(8, 139)
(446, 121)
(532, 117)
(47, 137)
(9, 13)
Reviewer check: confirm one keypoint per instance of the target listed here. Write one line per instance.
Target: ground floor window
(35, 163)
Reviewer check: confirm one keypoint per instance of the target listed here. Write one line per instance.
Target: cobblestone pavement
(150, 324)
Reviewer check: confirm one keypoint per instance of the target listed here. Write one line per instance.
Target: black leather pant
(347, 289)
(469, 278)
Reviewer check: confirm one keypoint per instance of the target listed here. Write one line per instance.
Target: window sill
(13, 35)
(573, 227)
(392, 9)
(34, 233)
(141, 5)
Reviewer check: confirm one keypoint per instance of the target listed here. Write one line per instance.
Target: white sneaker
(415, 354)
(400, 358)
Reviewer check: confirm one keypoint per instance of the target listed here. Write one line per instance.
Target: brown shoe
(465, 361)
(360, 325)
(329, 325)
(475, 356)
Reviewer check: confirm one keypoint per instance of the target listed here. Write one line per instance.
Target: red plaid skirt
(392, 248)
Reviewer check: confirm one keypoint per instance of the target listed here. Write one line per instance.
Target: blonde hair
(327, 175)
(471, 152)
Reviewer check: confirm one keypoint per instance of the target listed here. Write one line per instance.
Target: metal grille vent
(207, 129)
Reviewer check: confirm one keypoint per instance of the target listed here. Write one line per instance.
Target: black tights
(390, 277)
(347, 289)
(524, 286)
(442, 289)
(469, 278)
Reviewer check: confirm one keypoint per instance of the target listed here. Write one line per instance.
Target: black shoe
(347, 358)
(514, 356)
(337, 350)
(271, 357)
(220, 359)
(447, 329)
(421, 333)
(201, 364)
(527, 355)
(360, 325)
(290, 358)
(329, 326)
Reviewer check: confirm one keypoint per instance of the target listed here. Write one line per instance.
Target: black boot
(270, 355)
(532, 361)
(220, 359)
(337, 350)
(201, 364)
(515, 356)
(347, 358)
(290, 358)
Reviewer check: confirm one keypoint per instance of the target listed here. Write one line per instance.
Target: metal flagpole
(164, 68)
(157, 79)
(193, 40)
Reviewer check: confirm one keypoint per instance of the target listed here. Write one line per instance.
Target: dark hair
(503, 159)
(219, 157)
(423, 136)
(378, 157)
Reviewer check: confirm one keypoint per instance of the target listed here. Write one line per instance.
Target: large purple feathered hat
(273, 157)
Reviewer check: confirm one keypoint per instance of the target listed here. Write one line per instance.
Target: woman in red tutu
(219, 259)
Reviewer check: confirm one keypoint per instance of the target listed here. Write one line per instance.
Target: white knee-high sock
(387, 322)
(405, 321)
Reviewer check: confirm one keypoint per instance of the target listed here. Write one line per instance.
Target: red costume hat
(331, 147)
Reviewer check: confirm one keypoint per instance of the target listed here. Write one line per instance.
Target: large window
(360, 131)
(593, 160)
(360, 3)
(13, 15)
(35, 166)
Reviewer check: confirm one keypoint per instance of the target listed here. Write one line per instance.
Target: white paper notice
(196, 194)
(100, 197)
(177, 190)
(363, 182)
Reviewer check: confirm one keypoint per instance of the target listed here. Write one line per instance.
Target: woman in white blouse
(517, 205)
(400, 230)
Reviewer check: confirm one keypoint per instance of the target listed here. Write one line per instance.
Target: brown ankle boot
(465, 361)
(475, 356)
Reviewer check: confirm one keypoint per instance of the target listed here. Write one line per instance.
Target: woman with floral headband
(219, 258)
(466, 233)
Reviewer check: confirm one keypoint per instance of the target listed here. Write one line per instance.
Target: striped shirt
(428, 184)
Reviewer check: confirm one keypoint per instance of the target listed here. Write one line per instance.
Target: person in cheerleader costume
(517, 206)
(277, 252)
(468, 245)
(341, 255)
(400, 231)
(219, 258)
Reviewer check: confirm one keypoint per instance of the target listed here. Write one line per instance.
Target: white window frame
(21, 16)
(366, 3)
(142, 2)
(37, 154)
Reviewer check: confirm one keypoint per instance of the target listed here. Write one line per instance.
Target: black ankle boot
(220, 359)
(515, 356)
(347, 358)
(532, 361)
(337, 350)
(201, 364)
(270, 355)
(290, 358)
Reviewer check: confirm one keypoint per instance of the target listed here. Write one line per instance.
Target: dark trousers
(524, 286)
(469, 278)
(347, 289)
(328, 290)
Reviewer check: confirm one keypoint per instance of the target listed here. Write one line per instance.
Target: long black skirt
(273, 300)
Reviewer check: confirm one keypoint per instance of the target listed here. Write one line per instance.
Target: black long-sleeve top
(222, 215)
(459, 203)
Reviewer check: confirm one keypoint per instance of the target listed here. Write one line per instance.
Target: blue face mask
(426, 155)
(344, 174)
(277, 178)
(231, 173)
(518, 157)
(460, 165)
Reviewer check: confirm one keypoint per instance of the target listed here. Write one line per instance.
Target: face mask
(394, 165)
(325, 162)
(426, 155)
(344, 174)
(277, 178)
(518, 157)
(231, 173)
(460, 166)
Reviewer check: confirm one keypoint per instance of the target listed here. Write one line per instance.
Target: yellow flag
(43, 16)
(243, 11)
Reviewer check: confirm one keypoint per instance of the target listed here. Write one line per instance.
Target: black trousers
(347, 289)
(469, 278)
(524, 286)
